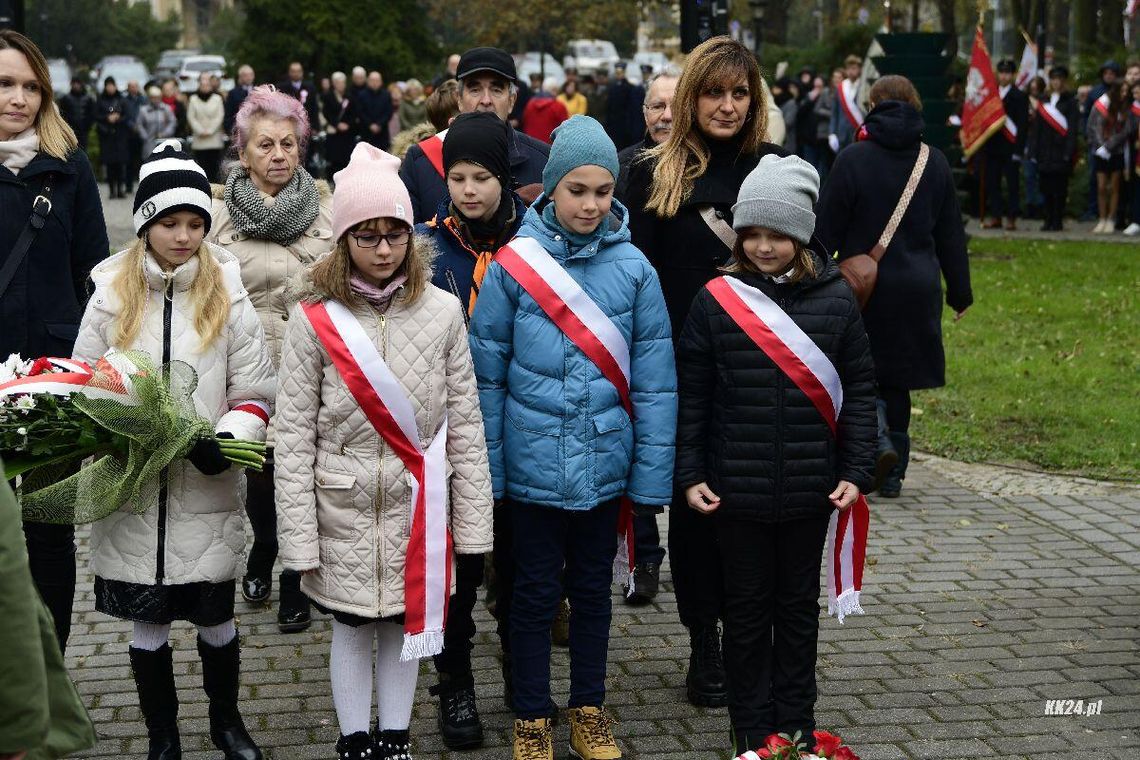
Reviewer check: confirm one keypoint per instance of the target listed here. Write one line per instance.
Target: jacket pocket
(534, 457)
(336, 510)
(613, 447)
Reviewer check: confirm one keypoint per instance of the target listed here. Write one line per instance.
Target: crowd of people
(503, 351)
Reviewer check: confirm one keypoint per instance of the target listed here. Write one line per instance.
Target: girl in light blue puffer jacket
(564, 451)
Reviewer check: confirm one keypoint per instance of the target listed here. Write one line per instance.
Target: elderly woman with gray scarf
(276, 219)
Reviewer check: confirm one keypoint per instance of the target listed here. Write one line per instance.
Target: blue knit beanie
(579, 141)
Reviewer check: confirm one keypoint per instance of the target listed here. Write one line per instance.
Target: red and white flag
(983, 113)
(797, 355)
(427, 568)
(587, 326)
(1028, 68)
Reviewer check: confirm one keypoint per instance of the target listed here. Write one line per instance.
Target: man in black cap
(487, 82)
(1004, 151)
(1053, 143)
(623, 109)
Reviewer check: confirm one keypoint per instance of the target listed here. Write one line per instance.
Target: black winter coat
(375, 108)
(748, 431)
(625, 160)
(339, 145)
(78, 110)
(683, 250)
(41, 309)
(114, 138)
(904, 314)
(1016, 104)
(428, 189)
(1053, 152)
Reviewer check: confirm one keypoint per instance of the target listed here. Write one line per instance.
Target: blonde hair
(331, 273)
(207, 294)
(803, 262)
(684, 156)
(57, 139)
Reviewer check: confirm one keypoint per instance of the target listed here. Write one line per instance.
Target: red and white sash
(1009, 130)
(1136, 108)
(848, 91)
(427, 570)
(62, 377)
(1053, 117)
(797, 355)
(587, 326)
(1101, 104)
(433, 149)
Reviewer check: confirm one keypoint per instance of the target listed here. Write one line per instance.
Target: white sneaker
(1101, 227)
(1132, 230)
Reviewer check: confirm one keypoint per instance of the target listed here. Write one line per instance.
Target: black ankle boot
(358, 746)
(886, 456)
(293, 613)
(394, 745)
(892, 484)
(221, 671)
(458, 721)
(158, 701)
(705, 682)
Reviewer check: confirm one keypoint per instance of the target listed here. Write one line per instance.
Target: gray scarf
(293, 210)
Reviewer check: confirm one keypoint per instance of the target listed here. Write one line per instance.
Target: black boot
(886, 457)
(358, 746)
(705, 682)
(293, 607)
(394, 745)
(221, 670)
(458, 721)
(158, 701)
(892, 484)
(646, 578)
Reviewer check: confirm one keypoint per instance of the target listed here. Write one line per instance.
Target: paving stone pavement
(980, 608)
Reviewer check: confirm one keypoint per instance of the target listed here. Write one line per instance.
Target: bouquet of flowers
(784, 747)
(133, 418)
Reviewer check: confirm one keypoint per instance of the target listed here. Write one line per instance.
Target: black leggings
(897, 401)
(1055, 188)
(262, 510)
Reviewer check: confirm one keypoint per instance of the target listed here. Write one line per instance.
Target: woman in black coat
(340, 111)
(42, 304)
(720, 117)
(114, 137)
(904, 314)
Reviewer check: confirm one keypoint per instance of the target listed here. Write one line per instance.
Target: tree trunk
(776, 23)
(1112, 23)
(948, 18)
(1085, 25)
(1058, 30)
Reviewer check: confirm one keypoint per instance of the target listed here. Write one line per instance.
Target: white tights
(151, 636)
(351, 670)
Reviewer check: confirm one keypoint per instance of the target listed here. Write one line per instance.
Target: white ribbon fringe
(846, 604)
(421, 645)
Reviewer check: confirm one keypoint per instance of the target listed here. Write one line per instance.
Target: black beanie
(481, 138)
(170, 181)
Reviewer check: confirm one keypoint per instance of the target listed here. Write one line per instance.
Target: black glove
(207, 456)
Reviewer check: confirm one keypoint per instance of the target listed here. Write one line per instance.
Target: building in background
(196, 16)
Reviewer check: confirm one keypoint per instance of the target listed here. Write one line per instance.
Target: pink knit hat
(369, 188)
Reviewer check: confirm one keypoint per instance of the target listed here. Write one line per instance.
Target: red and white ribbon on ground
(797, 356)
(587, 326)
(427, 571)
(105, 381)
(848, 91)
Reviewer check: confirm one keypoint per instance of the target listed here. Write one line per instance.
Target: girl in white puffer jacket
(176, 298)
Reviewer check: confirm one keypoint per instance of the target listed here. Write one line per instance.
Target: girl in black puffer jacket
(756, 454)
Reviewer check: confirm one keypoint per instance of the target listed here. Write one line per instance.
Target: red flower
(774, 742)
(41, 366)
(826, 743)
(763, 753)
(845, 753)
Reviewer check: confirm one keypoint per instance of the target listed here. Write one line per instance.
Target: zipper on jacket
(163, 494)
(377, 534)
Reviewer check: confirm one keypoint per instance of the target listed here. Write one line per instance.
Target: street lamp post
(758, 8)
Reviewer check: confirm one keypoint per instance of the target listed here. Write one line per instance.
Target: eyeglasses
(656, 108)
(372, 239)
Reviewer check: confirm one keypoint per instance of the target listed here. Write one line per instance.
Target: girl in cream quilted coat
(179, 299)
(345, 498)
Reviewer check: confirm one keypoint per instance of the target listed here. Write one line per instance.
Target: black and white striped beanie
(170, 181)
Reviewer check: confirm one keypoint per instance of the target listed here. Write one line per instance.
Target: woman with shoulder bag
(43, 272)
(903, 312)
(276, 219)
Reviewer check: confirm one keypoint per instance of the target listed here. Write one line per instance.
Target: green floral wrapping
(137, 442)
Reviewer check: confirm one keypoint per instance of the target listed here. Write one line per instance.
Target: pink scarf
(378, 298)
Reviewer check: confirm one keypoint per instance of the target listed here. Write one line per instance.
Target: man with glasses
(658, 110)
(487, 82)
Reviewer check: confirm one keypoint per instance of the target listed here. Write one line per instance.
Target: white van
(587, 56)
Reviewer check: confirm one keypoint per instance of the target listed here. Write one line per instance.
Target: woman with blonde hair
(413, 107)
(51, 235)
(176, 298)
(680, 196)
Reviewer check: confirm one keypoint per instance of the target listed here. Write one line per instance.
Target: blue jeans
(546, 540)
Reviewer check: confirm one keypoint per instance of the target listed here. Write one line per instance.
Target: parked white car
(196, 65)
(170, 62)
(60, 71)
(529, 63)
(587, 56)
(124, 68)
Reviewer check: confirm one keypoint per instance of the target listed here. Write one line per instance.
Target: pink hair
(265, 102)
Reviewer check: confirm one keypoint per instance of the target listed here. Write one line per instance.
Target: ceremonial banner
(1028, 68)
(982, 113)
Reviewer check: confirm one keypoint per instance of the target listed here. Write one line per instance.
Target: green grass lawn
(1044, 369)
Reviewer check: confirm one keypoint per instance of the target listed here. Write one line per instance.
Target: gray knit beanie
(779, 194)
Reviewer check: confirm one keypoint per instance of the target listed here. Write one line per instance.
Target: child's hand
(702, 499)
(844, 495)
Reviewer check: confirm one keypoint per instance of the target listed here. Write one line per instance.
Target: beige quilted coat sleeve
(471, 500)
(298, 407)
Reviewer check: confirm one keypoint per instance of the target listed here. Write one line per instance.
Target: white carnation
(25, 403)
